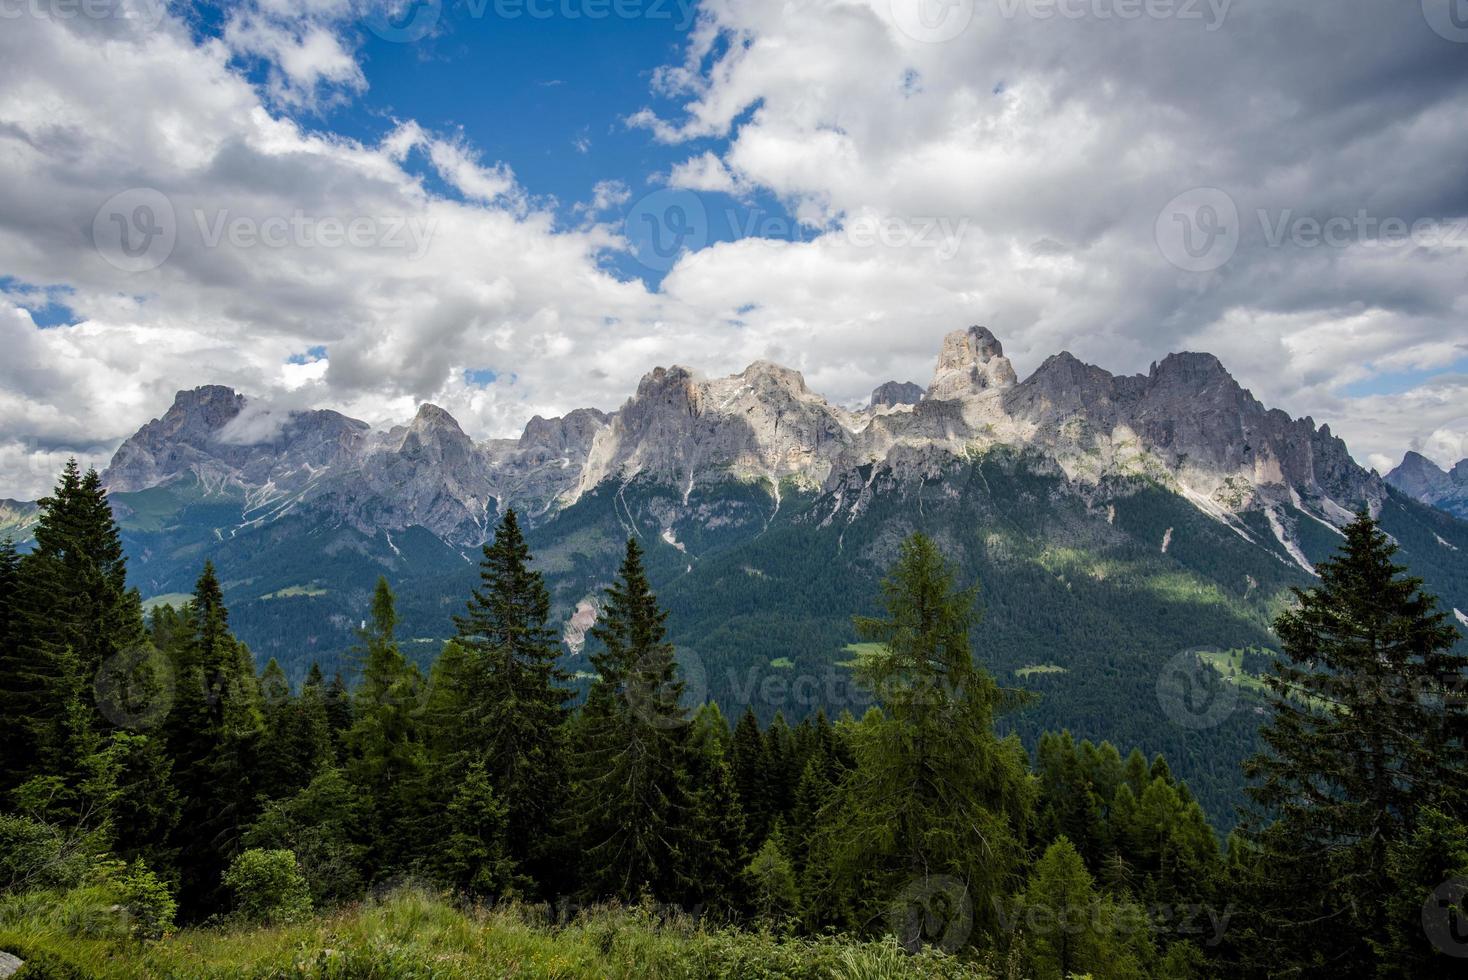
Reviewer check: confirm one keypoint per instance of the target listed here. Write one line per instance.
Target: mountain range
(1114, 523)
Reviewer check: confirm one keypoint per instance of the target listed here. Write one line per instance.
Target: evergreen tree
(747, 762)
(632, 772)
(19, 679)
(715, 829)
(517, 698)
(1427, 906)
(385, 755)
(474, 857)
(1070, 929)
(934, 795)
(75, 613)
(1366, 730)
(295, 743)
(769, 881)
(213, 734)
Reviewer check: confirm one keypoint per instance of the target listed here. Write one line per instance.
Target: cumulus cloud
(1016, 174)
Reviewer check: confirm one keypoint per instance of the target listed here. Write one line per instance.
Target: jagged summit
(1186, 422)
(971, 360)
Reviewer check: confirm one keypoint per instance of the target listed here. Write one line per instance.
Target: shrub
(268, 886)
(37, 855)
(150, 906)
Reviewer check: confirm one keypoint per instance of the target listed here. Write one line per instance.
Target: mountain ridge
(1186, 423)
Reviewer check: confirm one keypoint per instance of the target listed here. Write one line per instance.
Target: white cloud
(1046, 148)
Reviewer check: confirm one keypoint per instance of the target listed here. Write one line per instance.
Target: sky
(519, 207)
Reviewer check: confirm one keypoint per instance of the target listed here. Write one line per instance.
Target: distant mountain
(1113, 523)
(1422, 479)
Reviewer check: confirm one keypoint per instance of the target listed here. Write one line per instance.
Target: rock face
(1185, 424)
(1422, 479)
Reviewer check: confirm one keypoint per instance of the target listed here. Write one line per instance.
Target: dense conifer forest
(170, 808)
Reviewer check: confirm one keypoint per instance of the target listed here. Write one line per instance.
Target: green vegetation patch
(293, 591)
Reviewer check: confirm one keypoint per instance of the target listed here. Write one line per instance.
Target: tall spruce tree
(1367, 730)
(21, 680)
(633, 801)
(213, 734)
(751, 779)
(517, 698)
(75, 614)
(386, 760)
(935, 798)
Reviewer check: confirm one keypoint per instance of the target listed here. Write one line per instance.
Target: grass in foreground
(414, 934)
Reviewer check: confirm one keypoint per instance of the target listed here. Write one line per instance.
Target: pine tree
(1427, 907)
(386, 760)
(517, 698)
(75, 614)
(632, 773)
(769, 881)
(213, 734)
(935, 796)
(1366, 730)
(22, 679)
(747, 761)
(1066, 924)
(715, 830)
(474, 857)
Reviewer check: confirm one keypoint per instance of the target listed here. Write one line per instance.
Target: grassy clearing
(175, 599)
(1035, 669)
(291, 591)
(414, 934)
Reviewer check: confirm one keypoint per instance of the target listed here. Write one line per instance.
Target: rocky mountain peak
(431, 418)
(767, 373)
(1417, 475)
(893, 393)
(971, 360)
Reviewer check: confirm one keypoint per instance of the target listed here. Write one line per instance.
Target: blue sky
(548, 95)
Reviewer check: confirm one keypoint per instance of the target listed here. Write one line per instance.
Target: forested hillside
(169, 808)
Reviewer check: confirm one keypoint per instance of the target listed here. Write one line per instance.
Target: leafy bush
(268, 886)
